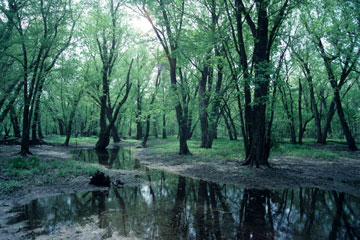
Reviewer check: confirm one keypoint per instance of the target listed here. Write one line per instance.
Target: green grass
(19, 171)
(305, 151)
(227, 150)
(223, 150)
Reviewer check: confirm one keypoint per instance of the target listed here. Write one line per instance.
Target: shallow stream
(169, 206)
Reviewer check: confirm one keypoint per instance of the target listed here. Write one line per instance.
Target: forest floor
(330, 167)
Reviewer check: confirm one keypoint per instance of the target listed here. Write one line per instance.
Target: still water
(168, 206)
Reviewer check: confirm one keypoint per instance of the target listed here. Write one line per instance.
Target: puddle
(116, 157)
(174, 207)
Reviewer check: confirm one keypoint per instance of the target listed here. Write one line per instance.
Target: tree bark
(15, 122)
(164, 127)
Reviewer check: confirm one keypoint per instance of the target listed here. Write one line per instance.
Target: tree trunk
(215, 106)
(313, 103)
(164, 127)
(36, 120)
(259, 147)
(15, 122)
(349, 138)
(203, 104)
(329, 118)
(147, 130)
(115, 134)
(139, 131)
(71, 118)
(228, 127)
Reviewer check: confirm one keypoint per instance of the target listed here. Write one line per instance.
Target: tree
(341, 54)
(264, 19)
(44, 30)
(169, 37)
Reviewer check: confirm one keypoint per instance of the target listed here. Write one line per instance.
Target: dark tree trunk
(301, 129)
(155, 129)
(71, 118)
(115, 134)
(329, 118)
(36, 120)
(25, 140)
(164, 127)
(228, 127)
(349, 138)
(147, 130)
(203, 104)
(15, 122)
(61, 127)
(139, 131)
(11, 102)
(227, 112)
(212, 133)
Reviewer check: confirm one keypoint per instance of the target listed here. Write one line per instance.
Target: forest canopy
(259, 71)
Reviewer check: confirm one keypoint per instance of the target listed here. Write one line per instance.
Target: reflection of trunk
(200, 211)
(103, 156)
(123, 211)
(178, 209)
(215, 211)
(310, 223)
(114, 155)
(337, 218)
(254, 220)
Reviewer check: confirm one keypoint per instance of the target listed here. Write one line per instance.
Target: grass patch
(222, 149)
(226, 150)
(306, 151)
(20, 171)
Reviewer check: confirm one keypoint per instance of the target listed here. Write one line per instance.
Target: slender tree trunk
(164, 127)
(228, 127)
(15, 122)
(203, 103)
(147, 130)
(71, 118)
(329, 117)
(36, 120)
(314, 106)
(215, 107)
(301, 129)
(349, 138)
(139, 131)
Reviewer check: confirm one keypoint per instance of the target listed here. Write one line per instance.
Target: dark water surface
(175, 207)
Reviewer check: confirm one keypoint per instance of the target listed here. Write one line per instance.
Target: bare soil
(341, 174)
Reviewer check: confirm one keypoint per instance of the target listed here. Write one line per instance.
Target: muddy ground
(287, 172)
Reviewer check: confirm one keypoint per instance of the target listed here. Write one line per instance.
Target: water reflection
(116, 157)
(175, 207)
